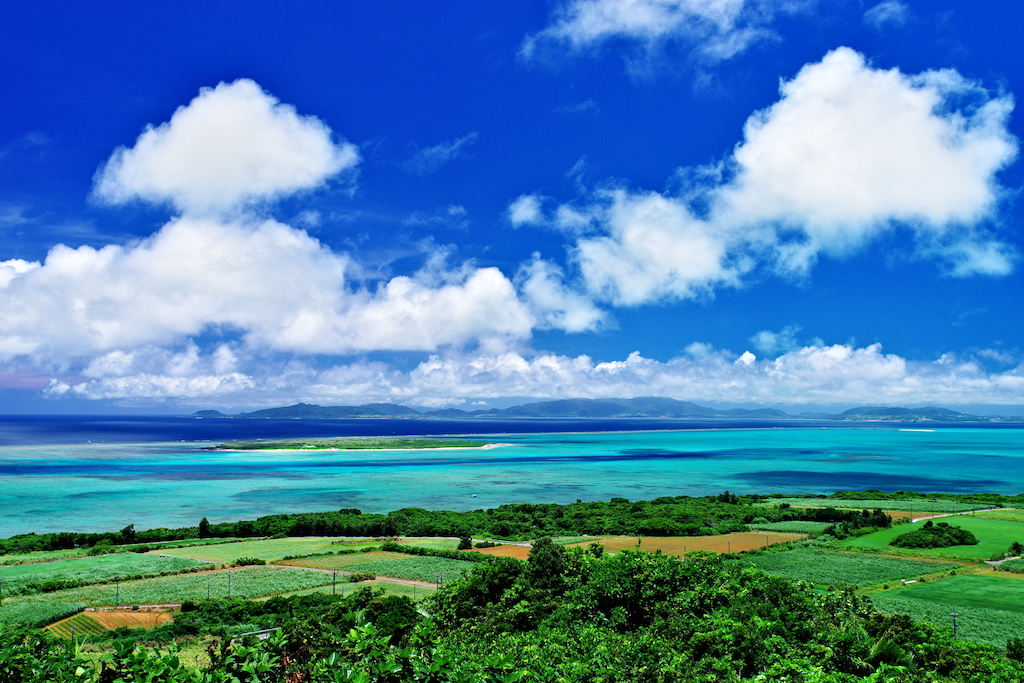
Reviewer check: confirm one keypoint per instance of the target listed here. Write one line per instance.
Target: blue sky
(733, 202)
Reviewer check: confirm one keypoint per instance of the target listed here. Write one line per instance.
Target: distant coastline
(583, 408)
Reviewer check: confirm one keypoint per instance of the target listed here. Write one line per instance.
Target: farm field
(253, 582)
(792, 527)
(974, 623)
(979, 590)
(41, 556)
(994, 536)
(97, 622)
(519, 552)
(1007, 515)
(265, 549)
(838, 569)
(36, 614)
(96, 569)
(920, 506)
(395, 565)
(429, 542)
(389, 588)
(677, 545)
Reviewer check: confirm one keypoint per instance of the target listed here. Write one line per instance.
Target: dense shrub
(941, 535)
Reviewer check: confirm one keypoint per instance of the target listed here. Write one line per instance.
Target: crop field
(677, 545)
(429, 542)
(253, 582)
(96, 569)
(838, 569)
(979, 590)
(395, 565)
(918, 505)
(267, 549)
(983, 624)
(994, 536)
(1007, 515)
(519, 552)
(97, 622)
(41, 556)
(35, 614)
(389, 587)
(793, 527)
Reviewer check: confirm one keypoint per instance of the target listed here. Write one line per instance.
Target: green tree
(204, 528)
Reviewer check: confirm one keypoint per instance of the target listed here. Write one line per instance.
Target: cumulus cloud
(847, 153)
(277, 286)
(428, 160)
(887, 13)
(554, 305)
(819, 375)
(716, 29)
(231, 146)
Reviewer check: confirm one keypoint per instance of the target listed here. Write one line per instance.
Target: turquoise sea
(50, 483)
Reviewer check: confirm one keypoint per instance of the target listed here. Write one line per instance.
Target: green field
(254, 582)
(36, 614)
(839, 569)
(990, 608)
(1008, 515)
(87, 570)
(792, 527)
(267, 549)
(994, 536)
(353, 443)
(924, 506)
(430, 542)
(389, 588)
(41, 556)
(395, 565)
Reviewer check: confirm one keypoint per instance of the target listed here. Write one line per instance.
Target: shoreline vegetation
(354, 443)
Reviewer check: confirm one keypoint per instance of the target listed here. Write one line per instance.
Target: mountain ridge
(640, 407)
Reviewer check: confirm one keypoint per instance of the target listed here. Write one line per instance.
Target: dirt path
(954, 514)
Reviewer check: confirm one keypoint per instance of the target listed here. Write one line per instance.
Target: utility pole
(334, 583)
(229, 584)
(954, 615)
(117, 591)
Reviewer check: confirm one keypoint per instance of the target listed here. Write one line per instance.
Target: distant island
(644, 407)
(352, 443)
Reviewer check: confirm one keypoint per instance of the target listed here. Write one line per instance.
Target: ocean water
(93, 474)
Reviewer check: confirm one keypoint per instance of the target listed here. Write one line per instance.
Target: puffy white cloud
(276, 285)
(847, 153)
(554, 305)
(849, 148)
(428, 160)
(232, 145)
(717, 29)
(887, 13)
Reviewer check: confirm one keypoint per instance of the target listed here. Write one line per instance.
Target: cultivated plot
(268, 549)
(677, 545)
(396, 565)
(253, 582)
(84, 570)
(839, 569)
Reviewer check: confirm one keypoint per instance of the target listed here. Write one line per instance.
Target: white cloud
(276, 285)
(428, 160)
(229, 147)
(716, 29)
(887, 13)
(847, 153)
(553, 304)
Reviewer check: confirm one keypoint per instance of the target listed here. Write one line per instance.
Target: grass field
(837, 569)
(96, 569)
(1007, 515)
(395, 565)
(42, 556)
(919, 505)
(793, 527)
(677, 545)
(993, 535)
(978, 590)
(430, 542)
(253, 582)
(267, 549)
